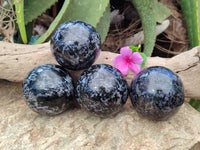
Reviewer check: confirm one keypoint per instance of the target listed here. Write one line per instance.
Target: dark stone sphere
(48, 89)
(101, 90)
(75, 45)
(156, 93)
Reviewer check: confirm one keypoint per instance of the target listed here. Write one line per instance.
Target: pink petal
(134, 67)
(118, 60)
(136, 58)
(126, 52)
(123, 68)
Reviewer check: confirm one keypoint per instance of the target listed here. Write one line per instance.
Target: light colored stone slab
(20, 128)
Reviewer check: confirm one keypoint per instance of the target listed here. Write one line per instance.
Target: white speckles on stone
(76, 33)
(39, 70)
(40, 107)
(104, 79)
(48, 80)
(159, 81)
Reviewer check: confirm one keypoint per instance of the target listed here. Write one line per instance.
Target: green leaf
(34, 8)
(135, 48)
(86, 10)
(29, 30)
(191, 102)
(146, 13)
(161, 11)
(198, 109)
(19, 9)
(144, 60)
(195, 103)
(191, 12)
(29, 33)
(54, 24)
(104, 24)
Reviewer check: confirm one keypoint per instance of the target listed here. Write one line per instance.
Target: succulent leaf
(191, 12)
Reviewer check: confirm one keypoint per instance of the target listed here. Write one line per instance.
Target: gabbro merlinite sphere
(101, 90)
(156, 93)
(75, 45)
(48, 89)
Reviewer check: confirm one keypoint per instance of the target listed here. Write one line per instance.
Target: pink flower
(127, 60)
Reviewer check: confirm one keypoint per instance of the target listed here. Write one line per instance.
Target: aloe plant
(160, 11)
(95, 13)
(150, 12)
(191, 12)
(104, 23)
(19, 8)
(34, 8)
(54, 24)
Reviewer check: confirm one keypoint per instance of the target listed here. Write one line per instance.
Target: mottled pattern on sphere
(156, 92)
(75, 45)
(102, 90)
(48, 89)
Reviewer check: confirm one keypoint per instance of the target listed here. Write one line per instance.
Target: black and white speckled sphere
(156, 92)
(101, 90)
(48, 89)
(75, 45)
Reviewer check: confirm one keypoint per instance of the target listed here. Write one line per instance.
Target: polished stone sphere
(101, 90)
(48, 89)
(157, 93)
(75, 45)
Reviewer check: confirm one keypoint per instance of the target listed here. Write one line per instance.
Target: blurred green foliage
(195, 103)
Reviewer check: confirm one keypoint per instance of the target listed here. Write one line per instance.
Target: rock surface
(22, 128)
